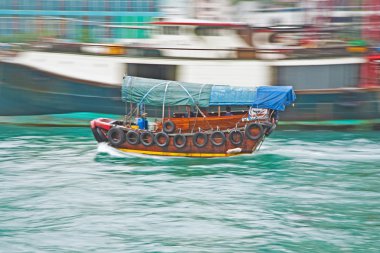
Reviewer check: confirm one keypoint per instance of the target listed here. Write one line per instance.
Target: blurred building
(305, 12)
(78, 20)
(176, 8)
(217, 10)
(270, 13)
(220, 10)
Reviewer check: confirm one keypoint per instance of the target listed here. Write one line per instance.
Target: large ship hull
(28, 90)
(335, 104)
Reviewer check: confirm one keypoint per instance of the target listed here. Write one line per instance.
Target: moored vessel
(54, 81)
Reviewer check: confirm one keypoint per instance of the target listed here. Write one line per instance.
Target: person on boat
(143, 122)
(228, 111)
(274, 116)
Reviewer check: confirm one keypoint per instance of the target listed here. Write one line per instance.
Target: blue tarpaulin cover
(231, 95)
(274, 97)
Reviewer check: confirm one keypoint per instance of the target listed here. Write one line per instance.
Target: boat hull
(178, 154)
(28, 91)
(197, 144)
(334, 104)
(190, 150)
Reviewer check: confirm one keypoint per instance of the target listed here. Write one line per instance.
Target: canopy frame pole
(163, 103)
(157, 85)
(146, 94)
(126, 114)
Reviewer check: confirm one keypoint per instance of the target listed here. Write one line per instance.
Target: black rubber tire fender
(102, 135)
(116, 136)
(133, 137)
(179, 137)
(147, 141)
(215, 135)
(200, 135)
(99, 136)
(160, 135)
(232, 138)
(251, 126)
(168, 127)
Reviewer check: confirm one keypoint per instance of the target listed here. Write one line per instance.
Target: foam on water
(314, 191)
(105, 148)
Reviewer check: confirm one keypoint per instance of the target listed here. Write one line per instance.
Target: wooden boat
(193, 133)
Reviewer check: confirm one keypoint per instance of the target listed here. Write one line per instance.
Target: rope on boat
(262, 140)
(195, 122)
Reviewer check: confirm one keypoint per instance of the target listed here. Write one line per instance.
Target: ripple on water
(303, 191)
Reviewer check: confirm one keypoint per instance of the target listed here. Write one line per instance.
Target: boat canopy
(232, 95)
(156, 92)
(274, 97)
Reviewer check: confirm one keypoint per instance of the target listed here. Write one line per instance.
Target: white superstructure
(111, 69)
(191, 38)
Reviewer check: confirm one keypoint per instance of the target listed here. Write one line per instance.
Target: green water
(316, 191)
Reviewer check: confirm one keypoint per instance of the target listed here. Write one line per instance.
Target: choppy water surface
(316, 191)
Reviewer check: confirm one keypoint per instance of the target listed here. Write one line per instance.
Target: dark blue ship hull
(28, 91)
(335, 104)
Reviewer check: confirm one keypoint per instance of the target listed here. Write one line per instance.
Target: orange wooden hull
(207, 123)
(190, 150)
(229, 141)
